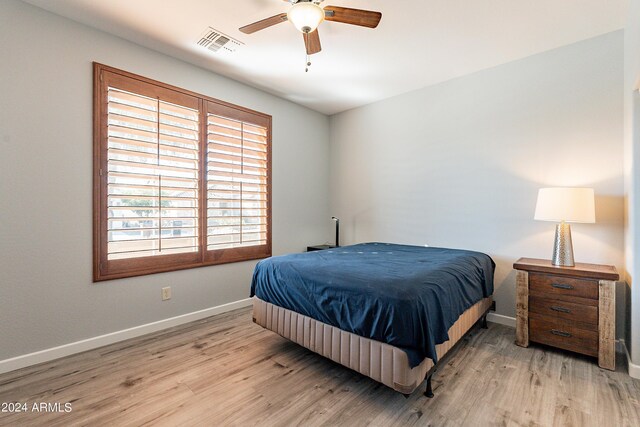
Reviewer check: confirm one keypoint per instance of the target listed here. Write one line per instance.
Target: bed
(384, 310)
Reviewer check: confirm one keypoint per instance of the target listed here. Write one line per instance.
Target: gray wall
(46, 294)
(632, 171)
(459, 164)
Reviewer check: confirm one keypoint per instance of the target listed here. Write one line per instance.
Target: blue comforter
(406, 296)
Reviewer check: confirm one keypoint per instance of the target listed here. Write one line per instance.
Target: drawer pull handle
(560, 309)
(561, 333)
(561, 286)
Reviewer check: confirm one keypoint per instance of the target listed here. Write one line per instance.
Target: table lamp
(564, 205)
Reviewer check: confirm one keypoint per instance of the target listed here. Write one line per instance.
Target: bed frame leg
(429, 391)
(483, 322)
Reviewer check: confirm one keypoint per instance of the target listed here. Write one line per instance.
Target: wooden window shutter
(177, 184)
(152, 184)
(238, 183)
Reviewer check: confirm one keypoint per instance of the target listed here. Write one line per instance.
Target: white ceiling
(418, 42)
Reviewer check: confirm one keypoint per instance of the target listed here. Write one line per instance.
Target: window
(181, 180)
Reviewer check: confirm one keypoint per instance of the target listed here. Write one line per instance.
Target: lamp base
(563, 246)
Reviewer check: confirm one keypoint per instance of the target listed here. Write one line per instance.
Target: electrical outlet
(166, 293)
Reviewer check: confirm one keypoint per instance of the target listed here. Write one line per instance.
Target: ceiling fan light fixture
(306, 16)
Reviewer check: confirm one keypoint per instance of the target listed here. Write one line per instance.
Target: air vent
(217, 41)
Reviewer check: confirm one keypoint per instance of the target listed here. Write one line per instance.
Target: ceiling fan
(307, 15)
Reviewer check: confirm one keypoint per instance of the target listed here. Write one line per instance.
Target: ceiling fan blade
(265, 23)
(363, 18)
(312, 42)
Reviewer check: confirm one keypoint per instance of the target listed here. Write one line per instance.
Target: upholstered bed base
(382, 362)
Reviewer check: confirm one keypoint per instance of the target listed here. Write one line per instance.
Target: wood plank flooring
(225, 370)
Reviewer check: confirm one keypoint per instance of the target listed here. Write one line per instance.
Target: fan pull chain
(308, 61)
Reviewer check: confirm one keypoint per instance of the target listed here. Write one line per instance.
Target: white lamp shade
(306, 16)
(566, 204)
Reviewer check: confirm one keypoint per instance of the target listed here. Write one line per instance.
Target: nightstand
(319, 247)
(572, 308)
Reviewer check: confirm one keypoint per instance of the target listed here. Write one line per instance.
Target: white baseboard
(634, 370)
(501, 319)
(49, 354)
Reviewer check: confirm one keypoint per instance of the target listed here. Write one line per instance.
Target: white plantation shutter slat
(116, 151)
(258, 147)
(175, 141)
(129, 99)
(168, 223)
(146, 179)
(152, 164)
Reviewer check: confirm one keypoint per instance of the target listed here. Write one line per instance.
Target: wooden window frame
(104, 269)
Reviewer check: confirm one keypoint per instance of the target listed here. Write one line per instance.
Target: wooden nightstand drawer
(562, 334)
(559, 286)
(583, 316)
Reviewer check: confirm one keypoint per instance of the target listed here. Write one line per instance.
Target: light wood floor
(225, 370)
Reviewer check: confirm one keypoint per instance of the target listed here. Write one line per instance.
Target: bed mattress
(382, 362)
(402, 295)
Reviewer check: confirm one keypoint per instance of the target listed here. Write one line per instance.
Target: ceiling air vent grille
(216, 41)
